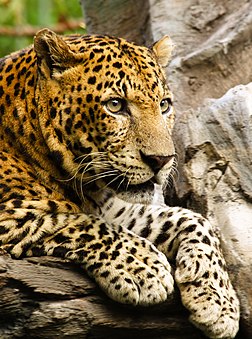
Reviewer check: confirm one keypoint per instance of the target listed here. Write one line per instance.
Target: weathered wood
(48, 298)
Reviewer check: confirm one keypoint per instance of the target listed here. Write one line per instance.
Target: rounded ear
(52, 51)
(163, 50)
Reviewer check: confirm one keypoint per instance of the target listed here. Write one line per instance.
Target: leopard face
(106, 110)
(95, 109)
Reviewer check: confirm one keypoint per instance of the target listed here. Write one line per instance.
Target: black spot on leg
(161, 238)
(39, 251)
(3, 230)
(190, 229)
(103, 230)
(181, 221)
(206, 240)
(58, 251)
(120, 212)
(1, 92)
(60, 238)
(145, 232)
(103, 256)
(119, 266)
(9, 79)
(89, 97)
(193, 241)
(117, 64)
(105, 274)
(95, 247)
(132, 224)
(167, 225)
(115, 254)
(197, 267)
(94, 267)
(206, 275)
(129, 260)
(97, 68)
(114, 280)
(138, 270)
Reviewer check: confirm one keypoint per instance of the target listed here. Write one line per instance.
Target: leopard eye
(165, 105)
(115, 105)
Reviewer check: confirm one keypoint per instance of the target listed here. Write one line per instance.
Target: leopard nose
(156, 162)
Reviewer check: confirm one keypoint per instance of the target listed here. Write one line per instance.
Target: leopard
(86, 153)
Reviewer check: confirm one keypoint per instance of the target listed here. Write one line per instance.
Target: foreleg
(190, 241)
(127, 267)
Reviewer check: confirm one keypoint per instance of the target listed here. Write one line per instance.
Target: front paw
(214, 310)
(133, 272)
(207, 293)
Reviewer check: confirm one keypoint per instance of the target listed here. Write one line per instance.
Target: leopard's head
(106, 110)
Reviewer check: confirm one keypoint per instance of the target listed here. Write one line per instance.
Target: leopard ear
(53, 52)
(163, 50)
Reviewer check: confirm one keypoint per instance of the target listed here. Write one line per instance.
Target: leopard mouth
(148, 185)
(120, 187)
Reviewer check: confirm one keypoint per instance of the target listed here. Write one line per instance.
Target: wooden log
(48, 297)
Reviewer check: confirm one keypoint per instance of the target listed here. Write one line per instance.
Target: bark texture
(125, 18)
(49, 298)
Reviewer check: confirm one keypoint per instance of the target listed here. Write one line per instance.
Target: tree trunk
(125, 18)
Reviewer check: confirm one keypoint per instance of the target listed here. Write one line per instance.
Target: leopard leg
(188, 239)
(127, 267)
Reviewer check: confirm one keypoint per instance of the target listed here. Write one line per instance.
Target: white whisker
(116, 178)
(99, 176)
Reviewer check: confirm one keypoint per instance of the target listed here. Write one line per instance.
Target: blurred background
(21, 19)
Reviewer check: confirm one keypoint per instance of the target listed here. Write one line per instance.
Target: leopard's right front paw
(134, 272)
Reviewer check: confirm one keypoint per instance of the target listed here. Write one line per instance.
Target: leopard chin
(149, 192)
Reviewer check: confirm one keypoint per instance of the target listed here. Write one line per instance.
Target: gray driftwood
(50, 298)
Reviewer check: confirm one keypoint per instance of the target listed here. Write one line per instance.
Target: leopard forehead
(112, 63)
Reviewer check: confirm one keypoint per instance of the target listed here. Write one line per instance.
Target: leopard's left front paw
(207, 293)
(214, 311)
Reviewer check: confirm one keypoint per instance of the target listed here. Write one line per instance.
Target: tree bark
(128, 19)
(49, 298)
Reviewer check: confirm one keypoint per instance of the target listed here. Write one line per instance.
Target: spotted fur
(85, 135)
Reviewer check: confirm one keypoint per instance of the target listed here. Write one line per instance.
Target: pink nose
(156, 162)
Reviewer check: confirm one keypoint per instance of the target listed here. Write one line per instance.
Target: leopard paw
(134, 272)
(206, 290)
(217, 319)
(213, 305)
